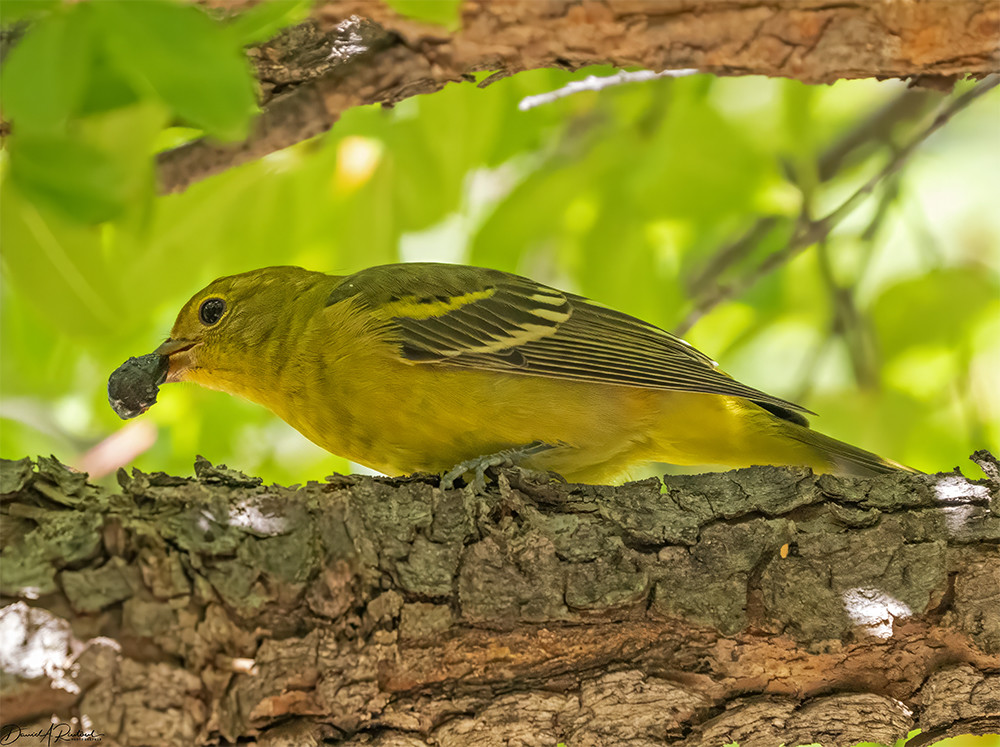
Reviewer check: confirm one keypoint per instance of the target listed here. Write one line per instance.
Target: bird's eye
(211, 311)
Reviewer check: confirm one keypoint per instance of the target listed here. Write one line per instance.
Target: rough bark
(764, 605)
(358, 52)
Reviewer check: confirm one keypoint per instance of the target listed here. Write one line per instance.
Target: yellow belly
(430, 418)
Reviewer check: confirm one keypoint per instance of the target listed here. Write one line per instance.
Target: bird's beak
(178, 352)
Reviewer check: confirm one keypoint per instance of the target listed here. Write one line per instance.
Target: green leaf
(77, 179)
(440, 12)
(517, 226)
(107, 87)
(186, 59)
(934, 309)
(264, 20)
(624, 280)
(15, 10)
(127, 136)
(58, 266)
(700, 166)
(797, 103)
(46, 72)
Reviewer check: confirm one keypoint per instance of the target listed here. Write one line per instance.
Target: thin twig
(859, 142)
(599, 83)
(817, 230)
(731, 253)
(852, 147)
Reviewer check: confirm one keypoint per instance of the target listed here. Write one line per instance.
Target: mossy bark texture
(763, 606)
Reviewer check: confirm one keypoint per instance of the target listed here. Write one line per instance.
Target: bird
(428, 367)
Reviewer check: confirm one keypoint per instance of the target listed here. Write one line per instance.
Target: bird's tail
(845, 459)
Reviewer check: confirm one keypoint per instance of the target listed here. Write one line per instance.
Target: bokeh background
(645, 196)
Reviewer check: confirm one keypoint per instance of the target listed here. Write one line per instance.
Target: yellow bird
(420, 367)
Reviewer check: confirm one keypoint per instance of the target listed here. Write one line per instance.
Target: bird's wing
(467, 317)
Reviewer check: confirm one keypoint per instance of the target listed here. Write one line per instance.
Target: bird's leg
(505, 458)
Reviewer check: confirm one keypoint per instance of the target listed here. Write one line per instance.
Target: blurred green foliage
(636, 195)
(441, 12)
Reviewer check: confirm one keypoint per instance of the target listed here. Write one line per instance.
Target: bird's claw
(505, 459)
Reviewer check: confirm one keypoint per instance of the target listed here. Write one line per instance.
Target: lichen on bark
(761, 605)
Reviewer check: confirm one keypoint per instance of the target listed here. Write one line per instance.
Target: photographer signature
(56, 733)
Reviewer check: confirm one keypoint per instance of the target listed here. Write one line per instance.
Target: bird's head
(237, 335)
(232, 327)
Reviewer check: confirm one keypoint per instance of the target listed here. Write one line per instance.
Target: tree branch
(358, 52)
(814, 231)
(763, 605)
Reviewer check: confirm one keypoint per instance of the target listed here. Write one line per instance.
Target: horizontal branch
(358, 52)
(762, 602)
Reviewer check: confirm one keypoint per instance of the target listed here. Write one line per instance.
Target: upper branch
(358, 52)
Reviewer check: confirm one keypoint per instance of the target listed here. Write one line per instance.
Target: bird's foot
(506, 458)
